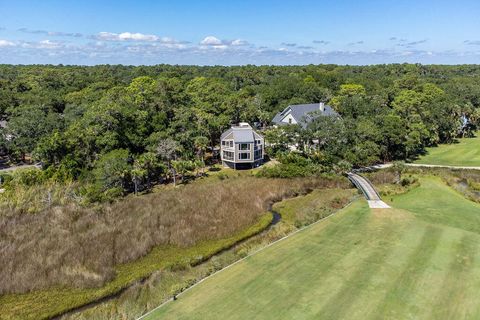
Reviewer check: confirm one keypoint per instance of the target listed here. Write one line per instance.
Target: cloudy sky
(239, 32)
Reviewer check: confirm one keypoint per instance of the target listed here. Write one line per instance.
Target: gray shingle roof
(226, 133)
(303, 113)
(241, 134)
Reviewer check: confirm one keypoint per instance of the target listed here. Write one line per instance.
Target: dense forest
(123, 128)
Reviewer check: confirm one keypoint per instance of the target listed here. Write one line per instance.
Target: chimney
(321, 106)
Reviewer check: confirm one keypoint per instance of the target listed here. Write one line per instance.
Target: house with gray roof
(242, 147)
(302, 114)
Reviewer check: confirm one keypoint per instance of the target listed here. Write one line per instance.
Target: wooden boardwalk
(368, 190)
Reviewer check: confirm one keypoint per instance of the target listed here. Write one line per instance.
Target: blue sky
(239, 32)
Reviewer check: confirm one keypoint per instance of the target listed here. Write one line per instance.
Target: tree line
(125, 128)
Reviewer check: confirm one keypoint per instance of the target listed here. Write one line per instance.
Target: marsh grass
(79, 247)
(22, 199)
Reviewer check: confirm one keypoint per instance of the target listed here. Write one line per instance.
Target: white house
(242, 147)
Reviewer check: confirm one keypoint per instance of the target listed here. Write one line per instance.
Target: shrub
(28, 177)
(290, 170)
(408, 180)
(5, 178)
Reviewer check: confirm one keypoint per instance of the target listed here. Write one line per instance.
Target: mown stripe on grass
(451, 298)
(396, 301)
(290, 275)
(368, 299)
(339, 304)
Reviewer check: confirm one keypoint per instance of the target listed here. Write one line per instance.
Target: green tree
(112, 170)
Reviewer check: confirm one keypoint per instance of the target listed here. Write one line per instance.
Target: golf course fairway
(465, 153)
(418, 260)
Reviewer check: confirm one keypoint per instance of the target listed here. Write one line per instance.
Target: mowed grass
(419, 260)
(465, 153)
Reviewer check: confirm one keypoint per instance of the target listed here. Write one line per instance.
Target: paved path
(388, 165)
(368, 190)
(440, 166)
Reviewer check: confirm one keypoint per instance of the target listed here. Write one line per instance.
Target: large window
(244, 156)
(227, 155)
(258, 154)
(244, 146)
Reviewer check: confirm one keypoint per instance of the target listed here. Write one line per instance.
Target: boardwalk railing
(364, 185)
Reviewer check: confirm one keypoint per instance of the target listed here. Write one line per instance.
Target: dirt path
(23, 166)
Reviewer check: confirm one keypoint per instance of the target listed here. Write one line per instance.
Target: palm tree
(166, 150)
(201, 144)
(181, 166)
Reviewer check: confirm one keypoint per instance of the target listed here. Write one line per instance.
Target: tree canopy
(77, 118)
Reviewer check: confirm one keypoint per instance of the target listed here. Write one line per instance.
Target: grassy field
(74, 239)
(465, 153)
(418, 260)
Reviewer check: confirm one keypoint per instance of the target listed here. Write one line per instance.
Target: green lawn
(466, 153)
(420, 260)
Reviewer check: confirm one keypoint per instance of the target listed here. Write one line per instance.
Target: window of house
(244, 156)
(227, 155)
(223, 143)
(244, 146)
(289, 120)
(258, 154)
(231, 144)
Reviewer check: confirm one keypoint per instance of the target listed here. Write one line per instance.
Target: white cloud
(48, 44)
(138, 48)
(239, 42)
(51, 33)
(215, 43)
(211, 41)
(137, 36)
(125, 36)
(472, 42)
(6, 43)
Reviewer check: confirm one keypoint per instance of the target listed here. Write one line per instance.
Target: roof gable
(303, 113)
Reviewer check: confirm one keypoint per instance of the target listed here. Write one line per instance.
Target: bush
(408, 180)
(5, 178)
(290, 170)
(293, 158)
(28, 177)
